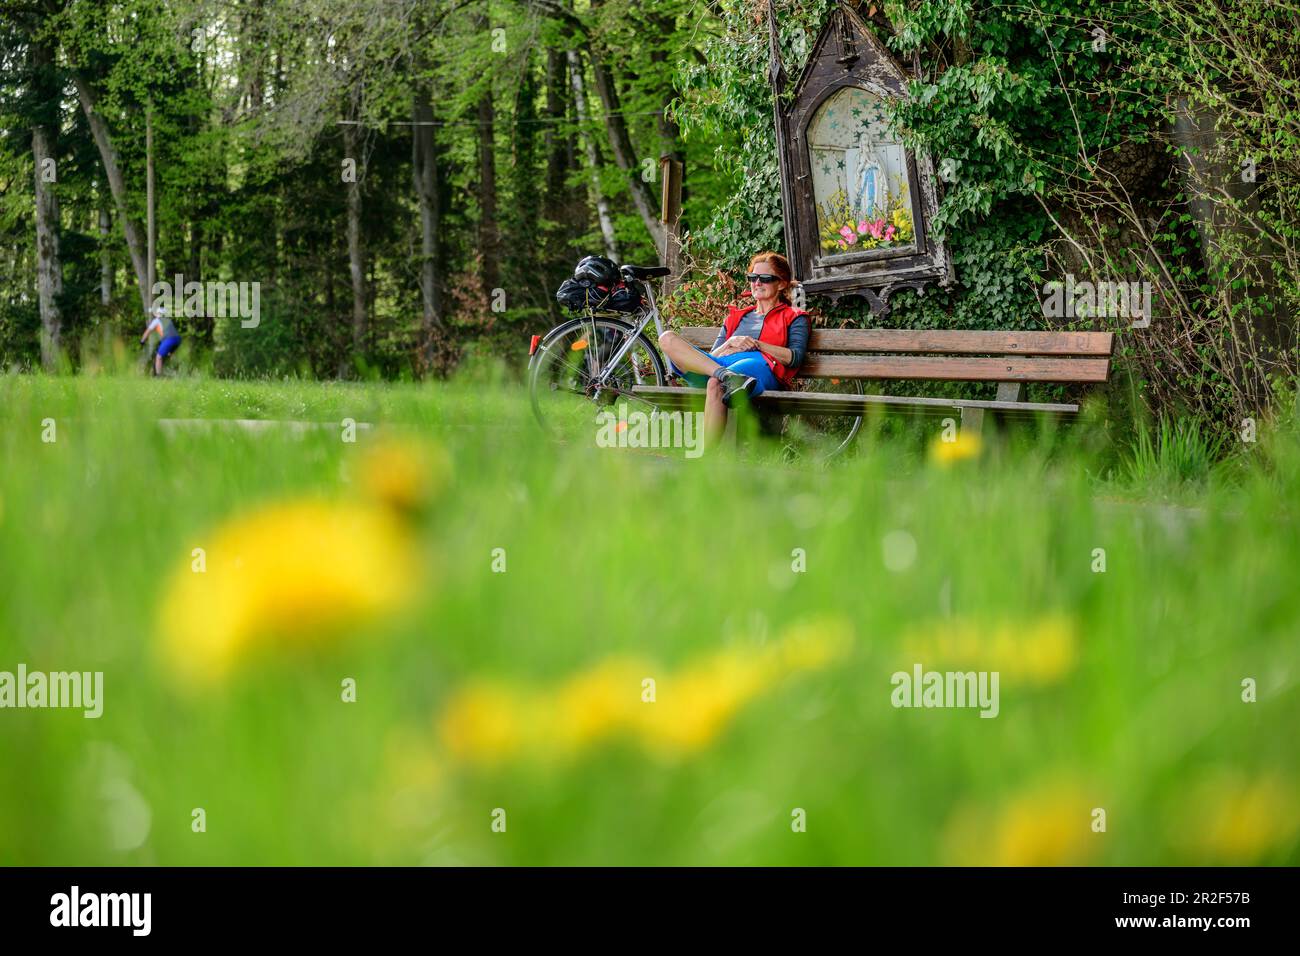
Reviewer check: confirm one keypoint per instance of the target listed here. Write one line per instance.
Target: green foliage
(1051, 122)
(999, 270)
(272, 349)
(1173, 452)
(20, 334)
(728, 98)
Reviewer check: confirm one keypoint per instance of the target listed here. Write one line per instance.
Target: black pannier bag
(577, 295)
(624, 299)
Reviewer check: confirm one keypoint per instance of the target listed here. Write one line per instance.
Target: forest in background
(494, 142)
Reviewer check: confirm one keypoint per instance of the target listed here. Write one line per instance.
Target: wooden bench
(1009, 358)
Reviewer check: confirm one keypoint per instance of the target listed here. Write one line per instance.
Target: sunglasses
(762, 277)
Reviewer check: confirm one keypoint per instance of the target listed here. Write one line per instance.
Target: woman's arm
(796, 340)
(778, 352)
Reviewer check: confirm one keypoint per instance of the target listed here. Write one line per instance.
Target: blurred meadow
(768, 601)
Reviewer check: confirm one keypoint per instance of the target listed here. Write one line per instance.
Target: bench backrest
(944, 355)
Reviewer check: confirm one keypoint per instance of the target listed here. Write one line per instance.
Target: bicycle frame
(650, 312)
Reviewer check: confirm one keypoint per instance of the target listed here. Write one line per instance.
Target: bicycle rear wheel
(565, 383)
(821, 438)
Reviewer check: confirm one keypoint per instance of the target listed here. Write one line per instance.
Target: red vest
(776, 330)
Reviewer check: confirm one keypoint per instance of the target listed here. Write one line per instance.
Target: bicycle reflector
(532, 346)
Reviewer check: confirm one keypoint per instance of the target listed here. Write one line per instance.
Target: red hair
(780, 268)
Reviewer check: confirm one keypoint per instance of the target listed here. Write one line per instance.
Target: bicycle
(599, 357)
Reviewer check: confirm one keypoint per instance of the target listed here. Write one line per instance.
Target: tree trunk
(487, 185)
(151, 222)
(558, 208)
(553, 141)
(620, 143)
(253, 33)
(424, 170)
(526, 206)
(1262, 331)
(356, 253)
(105, 255)
(202, 326)
(593, 160)
(670, 134)
(116, 184)
(49, 268)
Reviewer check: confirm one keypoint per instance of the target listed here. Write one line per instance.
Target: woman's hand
(737, 343)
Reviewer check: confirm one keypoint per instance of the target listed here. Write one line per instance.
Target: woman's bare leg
(715, 413)
(685, 356)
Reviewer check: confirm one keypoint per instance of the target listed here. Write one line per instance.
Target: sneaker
(733, 383)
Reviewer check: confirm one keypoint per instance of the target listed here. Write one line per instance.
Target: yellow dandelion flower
(285, 576)
(597, 703)
(490, 722)
(405, 475)
(485, 723)
(965, 445)
(1048, 650)
(1228, 817)
(1036, 652)
(1048, 825)
(694, 706)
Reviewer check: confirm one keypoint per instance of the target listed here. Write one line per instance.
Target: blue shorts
(746, 363)
(169, 345)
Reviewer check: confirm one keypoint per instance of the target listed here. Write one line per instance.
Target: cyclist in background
(161, 322)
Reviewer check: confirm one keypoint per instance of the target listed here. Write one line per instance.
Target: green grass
(615, 555)
(1172, 453)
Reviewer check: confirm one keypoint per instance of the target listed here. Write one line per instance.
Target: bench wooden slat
(941, 341)
(936, 368)
(835, 403)
(948, 355)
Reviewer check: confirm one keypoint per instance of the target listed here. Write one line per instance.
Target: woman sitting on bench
(760, 346)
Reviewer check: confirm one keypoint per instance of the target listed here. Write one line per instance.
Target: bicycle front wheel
(577, 371)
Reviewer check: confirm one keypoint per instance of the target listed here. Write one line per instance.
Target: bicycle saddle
(644, 272)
